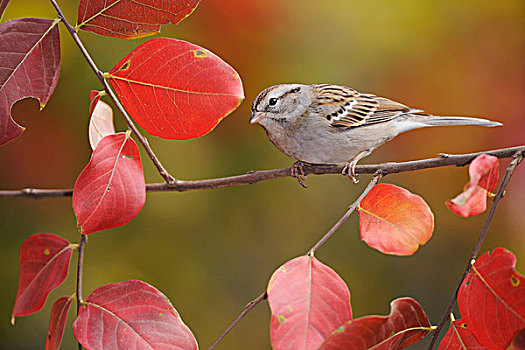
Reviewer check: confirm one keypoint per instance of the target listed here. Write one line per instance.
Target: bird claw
(298, 172)
(349, 170)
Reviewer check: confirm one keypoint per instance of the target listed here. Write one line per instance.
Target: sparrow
(333, 124)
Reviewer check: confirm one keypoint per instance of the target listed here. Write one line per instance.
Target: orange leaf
(484, 172)
(394, 221)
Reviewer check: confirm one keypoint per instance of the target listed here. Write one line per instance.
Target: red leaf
(406, 325)
(94, 97)
(29, 67)
(492, 299)
(131, 18)
(111, 190)
(44, 261)
(100, 123)
(394, 221)
(174, 89)
(131, 315)
(308, 300)
(484, 172)
(518, 343)
(459, 337)
(57, 323)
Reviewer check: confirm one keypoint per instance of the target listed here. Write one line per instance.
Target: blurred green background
(213, 251)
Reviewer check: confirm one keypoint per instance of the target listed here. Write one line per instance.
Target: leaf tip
(12, 319)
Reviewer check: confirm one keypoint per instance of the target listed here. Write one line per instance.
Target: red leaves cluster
(310, 303)
(132, 314)
(185, 89)
(311, 309)
(177, 90)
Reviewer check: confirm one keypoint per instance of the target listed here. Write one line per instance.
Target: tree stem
(170, 180)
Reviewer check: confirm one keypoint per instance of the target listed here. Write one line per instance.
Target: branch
(350, 210)
(143, 141)
(247, 309)
(388, 168)
(518, 157)
(257, 176)
(83, 240)
(312, 250)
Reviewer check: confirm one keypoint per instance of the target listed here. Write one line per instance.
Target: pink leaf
(131, 315)
(406, 325)
(111, 190)
(484, 172)
(57, 323)
(308, 301)
(101, 123)
(394, 221)
(29, 67)
(492, 299)
(44, 261)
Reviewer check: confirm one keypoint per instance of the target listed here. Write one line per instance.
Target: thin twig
(247, 309)
(330, 232)
(143, 141)
(350, 210)
(257, 176)
(83, 240)
(518, 157)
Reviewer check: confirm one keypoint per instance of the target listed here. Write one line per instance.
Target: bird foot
(349, 170)
(298, 172)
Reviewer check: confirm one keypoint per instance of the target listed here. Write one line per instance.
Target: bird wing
(345, 108)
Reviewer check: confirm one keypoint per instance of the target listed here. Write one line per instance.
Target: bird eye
(272, 101)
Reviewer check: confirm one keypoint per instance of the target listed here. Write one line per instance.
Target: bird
(333, 124)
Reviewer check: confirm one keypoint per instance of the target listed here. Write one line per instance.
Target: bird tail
(443, 121)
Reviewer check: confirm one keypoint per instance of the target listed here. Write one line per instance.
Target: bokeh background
(213, 251)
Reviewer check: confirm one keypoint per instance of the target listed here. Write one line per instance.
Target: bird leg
(298, 172)
(349, 168)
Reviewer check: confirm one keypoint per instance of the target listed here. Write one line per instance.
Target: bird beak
(256, 117)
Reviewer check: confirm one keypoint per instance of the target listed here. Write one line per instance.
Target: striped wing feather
(345, 108)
